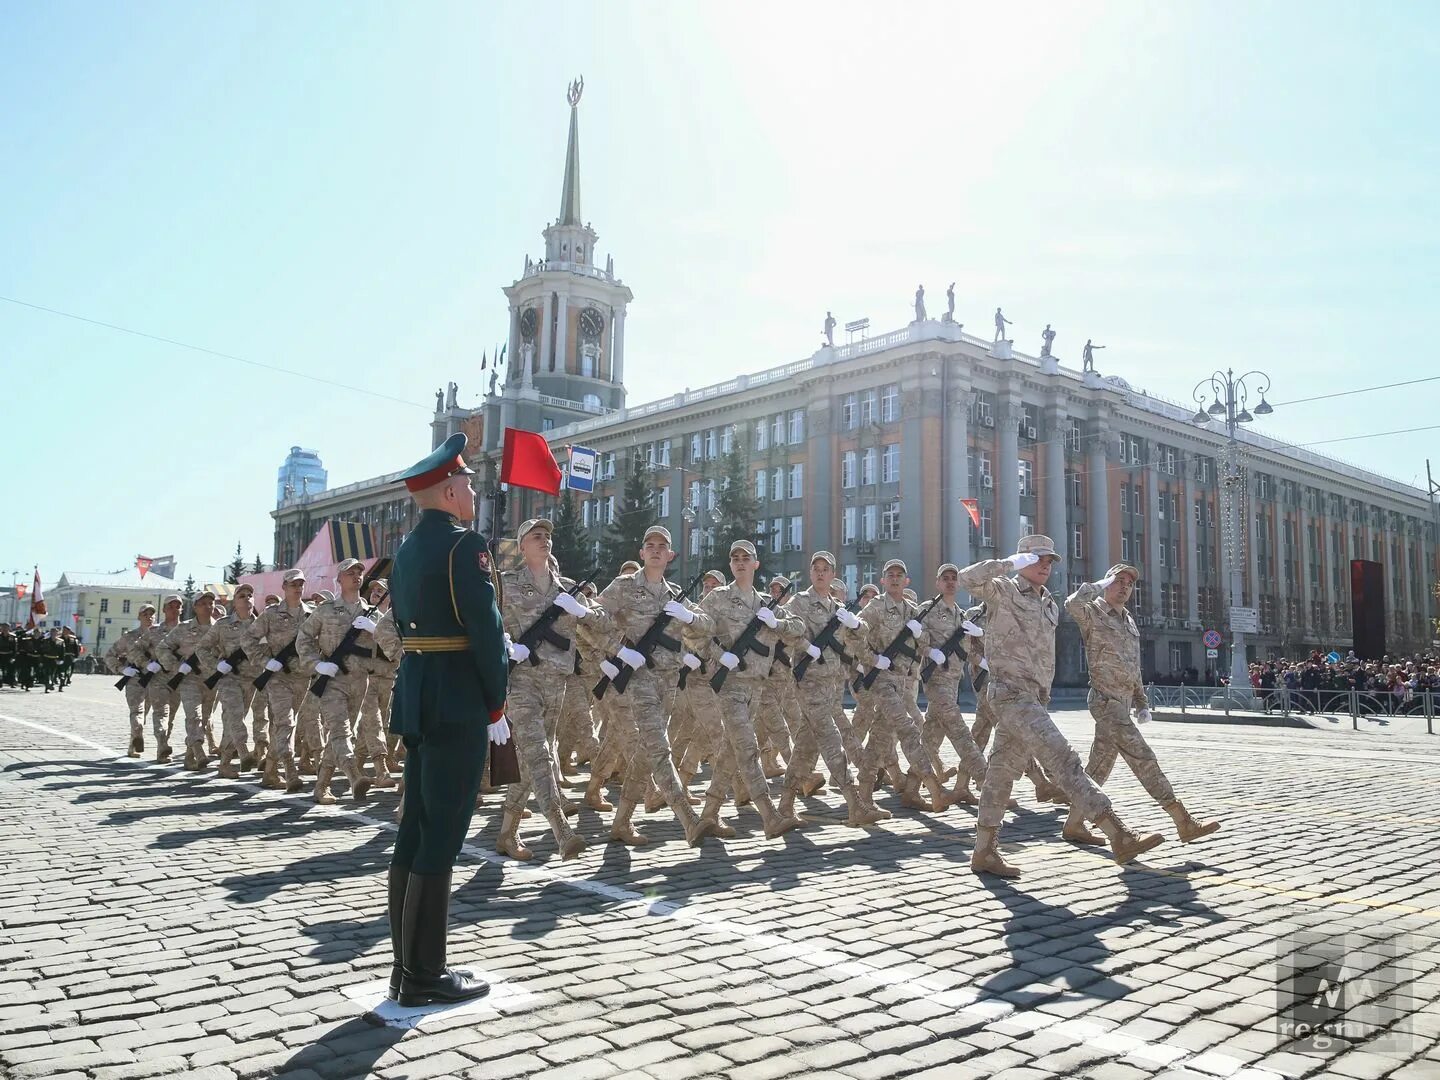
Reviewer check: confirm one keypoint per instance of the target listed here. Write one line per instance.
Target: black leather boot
(399, 879)
(424, 978)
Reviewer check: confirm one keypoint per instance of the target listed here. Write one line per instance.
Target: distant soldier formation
(31, 657)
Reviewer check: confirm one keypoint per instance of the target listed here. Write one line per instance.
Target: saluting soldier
(176, 655)
(221, 651)
(135, 695)
(1112, 653)
(273, 635)
(449, 702)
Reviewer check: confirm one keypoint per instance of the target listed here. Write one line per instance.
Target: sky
(343, 192)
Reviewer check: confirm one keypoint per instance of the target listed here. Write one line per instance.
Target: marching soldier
(1021, 617)
(273, 635)
(449, 703)
(617, 726)
(1112, 653)
(864, 698)
(9, 655)
(176, 656)
(72, 649)
(696, 730)
(223, 650)
(951, 633)
(135, 694)
(144, 655)
(779, 715)
(326, 646)
(52, 655)
(375, 712)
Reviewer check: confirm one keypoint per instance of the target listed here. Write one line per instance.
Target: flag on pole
(972, 507)
(528, 463)
(37, 598)
(142, 564)
(20, 591)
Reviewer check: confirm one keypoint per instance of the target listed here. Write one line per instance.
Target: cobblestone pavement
(155, 923)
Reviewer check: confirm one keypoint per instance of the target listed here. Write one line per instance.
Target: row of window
(857, 467)
(778, 483)
(870, 407)
(866, 524)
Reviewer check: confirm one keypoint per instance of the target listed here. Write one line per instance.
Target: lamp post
(1229, 395)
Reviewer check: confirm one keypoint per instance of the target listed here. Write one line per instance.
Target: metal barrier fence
(1282, 702)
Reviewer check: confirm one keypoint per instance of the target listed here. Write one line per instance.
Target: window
(777, 484)
(709, 494)
(777, 533)
(610, 466)
(1135, 458)
(1076, 489)
(985, 531)
(847, 525)
(851, 576)
(1125, 498)
(1124, 548)
(1174, 553)
(662, 502)
(1137, 496)
(709, 444)
(777, 429)
(1174, 506)
(890, 521)
(847, 469)
(1262, 485)
(1027, 481)
(1077, 543)
(695, 447)
(1027, 525)
(1168, 464)
(890, 464)
(695, 493)
(104, 604)
(849, 412)
(867, 467)
(796, 537)
(1202, 470)
(694, 541)
(124, 607)
(759, 485)
(797, 427)
(984, 465)
(890, 403)
(100, 634)
(1072, 436)
(1164, 504)
(761, 435)
(585, 513)
(665, 452)
(867, 407)
(547, 423)
(1163, 563)
(983, 412)
(1027, 420)
(797, 482)
(609, 509)
(867, 523)
(727, 439)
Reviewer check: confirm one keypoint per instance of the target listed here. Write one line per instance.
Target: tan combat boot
(711, 816)
(985, 859)
(163, 752)
(770, 764)
(686, 779)
(508, 841)
(322, 793)
(961, 794)
(1186, 826)
(293, 783)
(866, 791)
(383, 779)
(594, 794)
(1124, 844)
(226, 768)
(814, 784)
(1045, 791)
(359, 782)
(775, 822)
(787, 804)
(270, 778)
(939, 797)
(860, 815)
(247, 762)
(910, 793)
(622, 830)
(137, 746)
(696, 828)
(1076, 832)
(262, 753)
(570, 843)
(653, 800)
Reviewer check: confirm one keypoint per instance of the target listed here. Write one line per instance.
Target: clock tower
(566, 346)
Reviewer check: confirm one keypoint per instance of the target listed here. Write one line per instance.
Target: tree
(259, 567)
(626, 533)
(736, 508)
(236, 566)
(571, 550)
(189, 593)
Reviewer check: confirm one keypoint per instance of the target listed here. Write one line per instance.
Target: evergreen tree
(636, 513)
(236, 566)
(189, 593)
(736, 508)
(259, 567)
(571, 549)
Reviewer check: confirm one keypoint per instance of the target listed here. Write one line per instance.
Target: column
(562, 332)
(617, 354)
(546, 314)
(955, 541)
(819, 502)
(1402, 602)
(1097, 502)
(1056, 525)
(1007, 477)
(1151, 472)
(512, 347)
(912, 456)
(1192, 539)
(1250, 531)
(1303, 590)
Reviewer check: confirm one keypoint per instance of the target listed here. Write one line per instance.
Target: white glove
(568, 604)
(153, 666)
(882, 662)
(324, 667)
(730, 660)
(129, 671)
(971, 629)
(1105, 583)
(691, 661)
(519, 653)
(984, 663)
(184, 668)
(630, 657)
(937, 656)
(811, 648)
(360, 622)
(274, 665)
(1019, 562)
(500, 732)
(848, 619)
(679, 611)
(1142, 716)
(767, 616)
(610, 670)
(914, 627)
(224, 667)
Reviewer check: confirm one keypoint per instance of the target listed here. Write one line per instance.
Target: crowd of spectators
(1317, 683)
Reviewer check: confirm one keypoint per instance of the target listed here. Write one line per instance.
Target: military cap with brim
(717, 575)
(147, 607)
(742, 545)
(896, 562)
(1037, 545)
(347, 564)
(1123, 568)
(947, 566)
(206, 595)
(526, 528)
(781, 580)
(440, 464)
(293, 575)
(656, 530)
(828, 556)
(244, 587)
(174, 599)
(870, 586)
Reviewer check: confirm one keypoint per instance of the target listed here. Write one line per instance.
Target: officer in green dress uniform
(449, 704)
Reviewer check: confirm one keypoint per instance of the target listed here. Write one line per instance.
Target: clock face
(591, 324)
(528, 323)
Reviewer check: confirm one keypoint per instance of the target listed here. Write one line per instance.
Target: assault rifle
(347, 647)
(950, 647)
(193, 661)
(901, 644)
(824, 640)
(285, 655)
(747, 642)
(235, 659)
(543, 628)
(144, 676)
(653, 638)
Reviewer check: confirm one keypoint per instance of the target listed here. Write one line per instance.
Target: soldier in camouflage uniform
(817, 690)
(616, 724)
(218, 651)
(143, 655)
(697, 730)
(375, 712)
(136, 696)
(1021, 617)
(175, 655)
(942, 714)
(319, 640)
(779, 715)
(864, 699)
(271, 636)
(1112, 652)
(633, 603)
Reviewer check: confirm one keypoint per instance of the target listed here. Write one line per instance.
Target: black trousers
(442, 780)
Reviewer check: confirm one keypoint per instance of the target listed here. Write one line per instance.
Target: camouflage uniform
(370, 737)
(195, 698)
(778, 719)
(319, 637)
(1045, 789)
(135, 694)
(942, 715)
(235, 691)
(276, 627)
(143, 652)
(576, 734)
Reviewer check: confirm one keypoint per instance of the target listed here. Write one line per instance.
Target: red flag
(528, 462)
(37, 598)
(142, 564)
(20, 591)
(973, 507)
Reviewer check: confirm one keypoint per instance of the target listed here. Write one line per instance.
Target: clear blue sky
(343, 191)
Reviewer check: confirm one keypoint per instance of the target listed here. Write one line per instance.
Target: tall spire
(570, 195)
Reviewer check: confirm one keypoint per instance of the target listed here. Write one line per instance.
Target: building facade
(871, 449)
(301, 474)
(106, 604)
